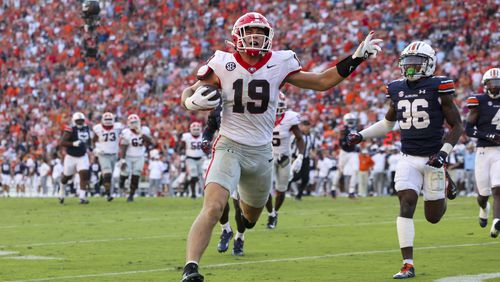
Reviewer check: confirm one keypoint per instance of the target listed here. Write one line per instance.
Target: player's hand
(206, 146)
(495, 138)
(368, 48)
(199, 102)
(354, 138)
(297, 163)
(437, 160)
(77, 143)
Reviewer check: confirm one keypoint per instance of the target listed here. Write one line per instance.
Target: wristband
(348, 65)
(447, 148)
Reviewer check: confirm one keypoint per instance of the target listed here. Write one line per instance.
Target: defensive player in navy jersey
(419, 102)
(483, 122)
(76, 139)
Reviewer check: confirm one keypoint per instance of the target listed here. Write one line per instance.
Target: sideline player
(191, 145)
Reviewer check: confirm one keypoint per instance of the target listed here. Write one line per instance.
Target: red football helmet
(242, 41)
(281, 104)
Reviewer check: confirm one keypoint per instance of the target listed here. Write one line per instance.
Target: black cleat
(84, 201)
(109, 198)
(225, 237)
(272, 221)
(61, 201)
(238, 247)
(451, 188)
(130, 198)
(191, 274)
(495, 228)
(483, 215)
(483, 222)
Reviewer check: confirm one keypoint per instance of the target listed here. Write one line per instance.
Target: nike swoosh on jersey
(268, 66)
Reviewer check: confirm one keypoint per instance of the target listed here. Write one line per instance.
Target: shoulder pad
(203, 72)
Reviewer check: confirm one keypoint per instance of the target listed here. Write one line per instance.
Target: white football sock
(483, 213)
(240, 236)
(82, 194)
(409, 261)
(273, 213)
(226, 227)
(406, 231)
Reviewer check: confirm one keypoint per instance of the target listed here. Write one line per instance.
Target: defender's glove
(77, 143)
(205, 146)
(354, 138)
(437, 160)
(297, 163)
(198, 101)
(495, 138)
(368, 47)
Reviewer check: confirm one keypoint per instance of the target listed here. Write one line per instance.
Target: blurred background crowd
(150, 50)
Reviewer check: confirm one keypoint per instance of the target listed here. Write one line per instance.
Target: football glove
(197, 101)
(368, 47)
(354, 138)
(77, 143)
(297, 163)
(437, 160)
(205, 146)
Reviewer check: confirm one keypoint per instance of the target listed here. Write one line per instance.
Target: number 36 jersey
(108, 138)
(250, 93)
(419, 113)
(134, 141)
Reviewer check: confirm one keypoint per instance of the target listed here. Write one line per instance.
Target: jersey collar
(252, 69)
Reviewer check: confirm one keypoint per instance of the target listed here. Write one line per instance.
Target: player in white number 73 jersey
(106, 146)
(249, 80)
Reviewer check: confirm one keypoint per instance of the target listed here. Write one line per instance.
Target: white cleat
(495, 228)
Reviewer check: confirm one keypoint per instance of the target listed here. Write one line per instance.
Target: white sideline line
(221, 265)
(185, 234)
(470, 278)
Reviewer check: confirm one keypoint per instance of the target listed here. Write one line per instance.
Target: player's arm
(190, 95)
(149, 140)
(471, 131)
(333, 76)
(452, 117)
(65, 140)
(378, 129)
(301, 146)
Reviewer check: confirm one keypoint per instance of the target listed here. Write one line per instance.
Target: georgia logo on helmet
(350, 119)
(78, 119)
(281, 108)
(195, 129)
(417, 60)
(491, 82)
(244, 42)
(134, 122)
(108, 119)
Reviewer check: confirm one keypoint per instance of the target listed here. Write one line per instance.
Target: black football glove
(354, 138)
(495, 138)
(437, 160)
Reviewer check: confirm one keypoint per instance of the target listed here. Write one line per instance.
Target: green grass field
(318, 239)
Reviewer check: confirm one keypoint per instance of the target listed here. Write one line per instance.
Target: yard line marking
(6, 253)
(29, 257)
(469, 278)
(185, 234)
(222, 265)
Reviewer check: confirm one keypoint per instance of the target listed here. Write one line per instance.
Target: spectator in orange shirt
(365, 164)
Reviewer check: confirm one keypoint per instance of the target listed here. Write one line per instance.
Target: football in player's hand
(208, 90)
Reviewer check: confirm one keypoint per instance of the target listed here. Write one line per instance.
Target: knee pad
(106, 178)
(246, 223)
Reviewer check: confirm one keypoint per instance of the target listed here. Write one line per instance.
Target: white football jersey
(282, 133)
(108, 140)
(134, 141)
(250, 93)
(193, 145)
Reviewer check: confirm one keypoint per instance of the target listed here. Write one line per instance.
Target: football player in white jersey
(191, 144)
(249, 80)
(133, 141)
(106, 144)
(286, 124)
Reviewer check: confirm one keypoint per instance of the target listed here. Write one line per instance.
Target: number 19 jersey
(250, 93)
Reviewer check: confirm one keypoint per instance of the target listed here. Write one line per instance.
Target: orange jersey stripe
(472, 100)
(446, 86)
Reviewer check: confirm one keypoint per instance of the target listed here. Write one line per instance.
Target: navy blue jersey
(82, 134)
(20, 168)
(488, 118)
(5, 168)
(419, 113)
(213, 124)
(343, 139)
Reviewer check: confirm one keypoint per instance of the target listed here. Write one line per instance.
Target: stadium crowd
(150, 51)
